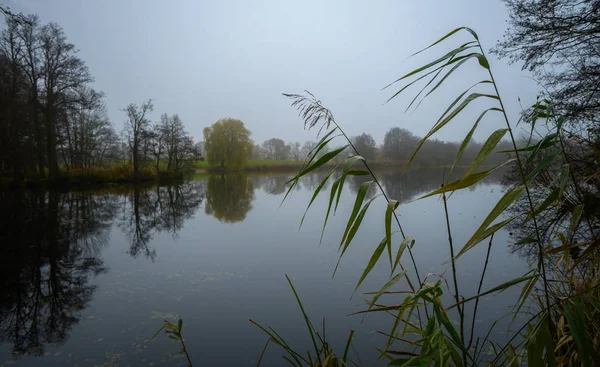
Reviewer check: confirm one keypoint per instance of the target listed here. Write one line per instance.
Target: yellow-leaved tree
(227, 144)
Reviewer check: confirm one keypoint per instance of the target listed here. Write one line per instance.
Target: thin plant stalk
(412, 258)
(460, 308)
(541, 264)
(487, 258)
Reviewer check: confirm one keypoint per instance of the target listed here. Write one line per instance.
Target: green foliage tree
(227, 144)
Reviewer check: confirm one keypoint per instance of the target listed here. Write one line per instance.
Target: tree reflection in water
(53, 246)
(229, 197)
(156, 209)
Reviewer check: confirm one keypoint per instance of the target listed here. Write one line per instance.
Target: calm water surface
(88, 277)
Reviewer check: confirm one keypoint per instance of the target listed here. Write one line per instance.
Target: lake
(89, 276)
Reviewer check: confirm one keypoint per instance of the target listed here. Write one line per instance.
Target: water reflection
(406, 186)
(272, 184)
(162, 208)
(229, 197)
(400, 185)
(52, 243)
(53, 247)
(55, 244)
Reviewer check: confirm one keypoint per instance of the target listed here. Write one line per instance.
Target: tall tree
(227, 143)
(29, 32)
(63, 72)
(175, 139)
(136, 130)
(87, 134)
(13, 130)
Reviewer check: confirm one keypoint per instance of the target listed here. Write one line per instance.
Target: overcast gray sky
(207, 60)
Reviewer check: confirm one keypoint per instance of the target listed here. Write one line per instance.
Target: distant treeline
(398, 146)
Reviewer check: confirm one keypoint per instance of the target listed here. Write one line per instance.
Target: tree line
(397, 146)
(51, 119)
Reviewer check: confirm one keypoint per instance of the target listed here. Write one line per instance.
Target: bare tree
(275, 149)
(295, 150)
(136, 130)
(63, 72)
(558, 41)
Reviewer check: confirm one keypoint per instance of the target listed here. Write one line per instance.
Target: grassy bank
(118, 174)
(289, 166)
(253, 166)
(266, 165)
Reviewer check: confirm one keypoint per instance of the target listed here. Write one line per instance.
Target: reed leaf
(315, 194)
(486, 149)
(360, 197)
(575, 216)
(390, 283)
(349, 163)
(407, 241)
(467, 139)
(392, 205)
(331, 197)
(498, 288)
(448, 35)
(464, 182)
(447, 118)
(354, 229)
(374, 258)
(483, 232)
(306, 319)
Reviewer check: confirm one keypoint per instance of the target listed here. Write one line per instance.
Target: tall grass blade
(348, 342)
(390, 283)
(447, 56)
(575, 216)
(315, 194)
(483, 231)
(349, 163)
(374, 258)
(499, 288)
(486, 149)
(449, 34)
(575, 315)
(392, 205)
(263, 352)
(407, 241)
(540, 167)
(564, 179)
(306, 319)
(331, 197)
(354, 229)
(360, 197)
(464, 182)
(444, 120)
(467, 139)
(324, 159)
